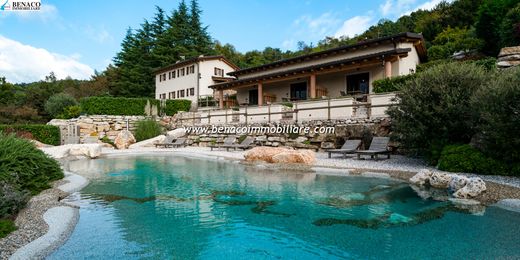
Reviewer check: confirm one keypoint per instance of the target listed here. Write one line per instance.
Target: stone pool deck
(48, 221)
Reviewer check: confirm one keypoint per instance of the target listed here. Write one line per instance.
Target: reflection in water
(176, 207)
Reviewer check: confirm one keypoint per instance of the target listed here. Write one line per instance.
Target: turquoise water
(166, 207)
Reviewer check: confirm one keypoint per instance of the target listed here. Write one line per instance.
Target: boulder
(457, 182)
(124, 139)
(473, 188)
(421, 178)
(440, 180)
(263, 153)
(295, 156)
(149, 142)
(89, 150)
(327, 145)
(176, 133)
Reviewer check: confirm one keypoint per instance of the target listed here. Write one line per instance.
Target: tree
(58, 103)
(510, 28)
(452, 40)
(489, 21)
(201, 39)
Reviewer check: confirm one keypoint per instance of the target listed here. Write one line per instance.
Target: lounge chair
(350, 146)
(245, 144)
(168, 141)
(228, 141)
(378, 146)
(179, 142)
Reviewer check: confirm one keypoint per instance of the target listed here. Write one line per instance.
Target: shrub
(435, 107)
(70, 112)
(24, 166)
(12, 200)
(499, 125)
(58, 103)
(107, 140)
(391, 84)
(174, 106)
(6, 226)
(465, 158)
(47, 134)
(147, 129)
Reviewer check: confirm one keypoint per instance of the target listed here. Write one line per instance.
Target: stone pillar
(312, 85)
(388, 69)
(221, 98)
(260, 94)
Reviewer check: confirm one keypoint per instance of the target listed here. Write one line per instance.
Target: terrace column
(221, 98)
(312, 85)
(388, 69)
(260, 94)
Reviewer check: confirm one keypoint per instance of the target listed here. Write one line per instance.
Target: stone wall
(509, 57)
(363, 129)
(95, 127)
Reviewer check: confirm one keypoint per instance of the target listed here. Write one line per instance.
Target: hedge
(174, 106)
(128, 106)
(391, 84)
(47, 134)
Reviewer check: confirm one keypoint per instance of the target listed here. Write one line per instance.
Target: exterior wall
(204, 68)
(207, 71)
(347, 55)
(409, 63)
(380, 99)
(178, 83)
(321, 112)
(333, 82)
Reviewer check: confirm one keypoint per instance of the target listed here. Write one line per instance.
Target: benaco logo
(14, 5)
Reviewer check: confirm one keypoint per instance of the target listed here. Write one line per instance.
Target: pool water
(173, 207)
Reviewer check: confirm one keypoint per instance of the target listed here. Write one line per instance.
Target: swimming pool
(157, 207)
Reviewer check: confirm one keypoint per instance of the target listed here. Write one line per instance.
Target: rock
(39, 144)
(149, 142)
(421, 178)
(261, 138)
(265, 154)
(295, 156)
(327, 145)
(176, 133)
(124, 139)
(435, 194)
(440, 180)
(473, 188)
(88, 150)
(280, 155)
(118, 127)
(472, 206)
(457, 182)
(301, 139)
(276, 139)
(509, 204)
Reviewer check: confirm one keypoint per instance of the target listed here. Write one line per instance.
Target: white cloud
(100, 34)
(428, 5)
(395, 7)
(354, 26)
(25, 63)
(308, 28)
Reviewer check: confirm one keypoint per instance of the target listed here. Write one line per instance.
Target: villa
(190, 79)
(344, 71)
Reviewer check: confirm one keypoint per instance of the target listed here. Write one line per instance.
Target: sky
(75, 38)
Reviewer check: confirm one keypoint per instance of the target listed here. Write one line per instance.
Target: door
(358, 86)
(299, 91)
(253, 97)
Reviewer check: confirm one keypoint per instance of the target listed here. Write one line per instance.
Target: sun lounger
(350, 146)
(168, 141)
(179, 142)
(378, 146)
(227, 142)
(245, 144)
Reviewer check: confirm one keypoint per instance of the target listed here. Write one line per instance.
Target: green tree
(489, 22)
(59, 103)
(452, 40)
(510, 28)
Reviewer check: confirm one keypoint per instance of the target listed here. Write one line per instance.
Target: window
(182, 72)
(160, 78)
(192, 68)
(192, 91)
(178, 73)
(164, 76)
(187, 70)
(170, 75)
(182, 93)
(162, 96)
(173, 94)
(219, 72)
(178, 94)
(187, 93)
